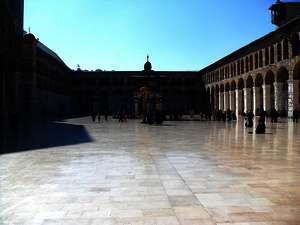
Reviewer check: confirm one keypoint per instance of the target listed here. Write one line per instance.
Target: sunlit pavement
(184, 173)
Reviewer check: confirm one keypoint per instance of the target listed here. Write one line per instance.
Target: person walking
(295, 116)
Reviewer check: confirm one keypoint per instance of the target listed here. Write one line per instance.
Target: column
(267, 97)
(216, 100)
(232, 100)
(136, 106)
(256, 99)
(247, 99)
(293, 96)
(211, 99)
(278, 87)
(239, 101)
(226, 100)
(221, 101)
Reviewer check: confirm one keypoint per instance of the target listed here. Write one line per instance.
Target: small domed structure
(29, 37)
(148, 65)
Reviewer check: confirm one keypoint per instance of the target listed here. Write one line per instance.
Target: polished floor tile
(181, 173)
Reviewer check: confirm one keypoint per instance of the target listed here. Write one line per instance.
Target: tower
(283, 12)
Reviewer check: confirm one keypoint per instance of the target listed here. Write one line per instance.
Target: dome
(29, 37)
(148, 65)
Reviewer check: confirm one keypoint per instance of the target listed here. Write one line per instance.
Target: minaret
(283, 12)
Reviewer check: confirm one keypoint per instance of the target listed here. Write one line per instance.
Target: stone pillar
(211, 96)
(267, 97)
(247, 99)
(293, 96)
(256, 99)
(136, 106)
(278, 87)
(226, 100)
(216, 100)
(232, 100)
(221, 101)
(239, 101)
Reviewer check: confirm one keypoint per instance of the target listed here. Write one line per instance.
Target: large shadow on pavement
(41, 135)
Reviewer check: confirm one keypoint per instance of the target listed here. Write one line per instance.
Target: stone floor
(181, 173)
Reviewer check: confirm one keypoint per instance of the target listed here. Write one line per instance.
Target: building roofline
(248, 48)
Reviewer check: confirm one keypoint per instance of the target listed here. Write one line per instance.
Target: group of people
(261, 126)
(224, 116)
(96, 116)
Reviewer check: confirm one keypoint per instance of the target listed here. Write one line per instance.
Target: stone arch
(258, 80)
(227, 87)
(233, 85)
(270, 77)
(222, 88)
(249, 82)
(217, 88)
(296, 71)
(282, 75)
(241, 84)
(208, 90)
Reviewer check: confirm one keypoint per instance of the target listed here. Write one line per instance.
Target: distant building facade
(260, 76)
(181, 91)
(40, 84)
(263, 75)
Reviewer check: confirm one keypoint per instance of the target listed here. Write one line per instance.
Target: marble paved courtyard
(181, 173)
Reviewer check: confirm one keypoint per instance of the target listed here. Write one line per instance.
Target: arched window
(285, 49)
(247, 64)
(251, 62)
(279, 52)
(234, 69)
(238, 68)
(260, 58)
(267, 56)
(242, 66)
(272, 55)
(256, 60)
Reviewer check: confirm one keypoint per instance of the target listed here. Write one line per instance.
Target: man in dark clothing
(295, 116)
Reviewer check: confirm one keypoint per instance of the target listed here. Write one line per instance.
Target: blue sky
(118, 34)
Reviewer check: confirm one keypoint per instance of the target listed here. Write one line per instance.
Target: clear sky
(118, 34)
